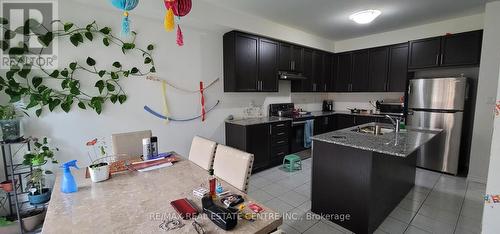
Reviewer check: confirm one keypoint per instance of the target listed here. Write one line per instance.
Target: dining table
(139, 202)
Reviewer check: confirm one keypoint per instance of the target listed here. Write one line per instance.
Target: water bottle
(68, 184)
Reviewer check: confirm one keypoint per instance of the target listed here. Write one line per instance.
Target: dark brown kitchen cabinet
(360, 71)
(425, 53)
(328, 71)
(450, 50)
(290, 57)
(318, 73)
(268, 142)
(268, 65)
(398, 68)
(250, 63)
(461, 48)
(307, 66)
(344, 121)
(378, 65)
(343, 72)
(324, 124)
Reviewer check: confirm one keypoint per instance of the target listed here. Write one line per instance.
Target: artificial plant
(21, 81)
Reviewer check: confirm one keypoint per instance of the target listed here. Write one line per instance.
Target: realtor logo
(23, 23)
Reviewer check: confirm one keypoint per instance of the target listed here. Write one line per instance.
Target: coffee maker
(328, 105)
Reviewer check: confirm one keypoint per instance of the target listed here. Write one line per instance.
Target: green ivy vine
(21, 80)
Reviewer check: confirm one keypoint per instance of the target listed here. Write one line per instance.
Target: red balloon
(179, 7)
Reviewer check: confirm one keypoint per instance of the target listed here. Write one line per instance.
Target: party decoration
(125, 6)
(169, 20)
(203, 113)
(151, 111)
(178, 8)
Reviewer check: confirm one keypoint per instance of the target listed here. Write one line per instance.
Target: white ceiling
(330, 18)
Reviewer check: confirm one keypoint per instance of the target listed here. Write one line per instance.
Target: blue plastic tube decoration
(125, 6)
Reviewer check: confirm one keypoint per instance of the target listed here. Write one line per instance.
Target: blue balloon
(125, 5)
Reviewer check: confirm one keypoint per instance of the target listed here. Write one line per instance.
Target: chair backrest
(233, 166)
(129, 143)
(202, 152)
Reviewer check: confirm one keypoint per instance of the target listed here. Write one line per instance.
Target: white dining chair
(233, 166)
(202, 152)
(129, 143)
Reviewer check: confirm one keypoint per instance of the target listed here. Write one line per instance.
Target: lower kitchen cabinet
(324, 124)
(268, 142)
(347, 121)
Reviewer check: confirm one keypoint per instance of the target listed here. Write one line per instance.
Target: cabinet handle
(280, 142)
(281, 153)
(409, 88)
(281, 133)
(292, 65)
(437, 59)
(270, 130)
(441, 59)
(280, 125)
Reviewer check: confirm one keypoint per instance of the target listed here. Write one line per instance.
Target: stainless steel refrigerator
(438, 103)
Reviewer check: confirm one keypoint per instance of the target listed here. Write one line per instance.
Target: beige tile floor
(438, 203)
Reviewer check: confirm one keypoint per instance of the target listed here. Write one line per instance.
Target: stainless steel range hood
(291, 75)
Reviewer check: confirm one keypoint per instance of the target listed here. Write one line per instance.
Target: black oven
(297, 136)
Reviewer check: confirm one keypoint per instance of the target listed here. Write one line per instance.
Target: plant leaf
(36, 81)
(147, 60)
(4, 45)
(99, 84)
(117, 64)
(54, 74)
(90, 61)
(105, 41)
(134, 70)
(101, 73)
(64, 72)
(105, 30)
(114, 76)
(67, 26)
(9, 34)
(38, 112)
(113, 98)
(72, 66)
(153, 69)
(89, 36)
(3, 20)
(122, 98)
(110, 87)
(64, 83)
(150, 47)
(82, 105)
(16, 51)
(53, 104)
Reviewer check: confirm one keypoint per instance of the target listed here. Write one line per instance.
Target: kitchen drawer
(280, 128)
(281, 141)
(278, 153)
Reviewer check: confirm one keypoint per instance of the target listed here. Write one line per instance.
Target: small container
(212, 183)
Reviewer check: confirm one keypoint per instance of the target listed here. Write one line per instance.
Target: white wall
(487, 89)
(199, 59)
(489, 76)
(463, 24)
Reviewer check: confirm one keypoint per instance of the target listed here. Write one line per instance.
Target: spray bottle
(68, 184)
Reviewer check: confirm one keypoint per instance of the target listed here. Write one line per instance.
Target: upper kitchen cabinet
(250, 63)
(268, 65)
(290, 57)
(425, 53)
(398, 68)
(360, 71)
(342, 77)
(461, 49)
(328, 72)
(318, 72)
(307, 71)
(378, 65)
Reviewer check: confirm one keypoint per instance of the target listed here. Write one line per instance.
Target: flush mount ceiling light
(365, 17)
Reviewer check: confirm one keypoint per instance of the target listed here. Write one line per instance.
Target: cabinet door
(379, 60)
(258, 137)
(246, 62)
(398, 68)
(327, 73)
(344, 121)
(343, 73)
(297, 52)
(358, 120)
(317, 82)
(425, 53)
(268, 65)
(307, 63)
(359, 73)
(461, 48)
(285, 57)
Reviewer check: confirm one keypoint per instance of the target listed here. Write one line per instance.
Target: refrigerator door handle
(409, 89)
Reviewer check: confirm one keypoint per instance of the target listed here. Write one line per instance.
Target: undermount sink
(374, 130)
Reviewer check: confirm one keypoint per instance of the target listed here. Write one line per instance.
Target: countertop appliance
(298, 123)
(438, 103)
(328, 105)
(390, 107)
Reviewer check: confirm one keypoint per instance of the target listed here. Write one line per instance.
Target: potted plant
(41, 154)
(10, 123)
(98, 169)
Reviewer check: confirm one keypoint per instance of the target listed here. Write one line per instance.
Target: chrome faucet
(395, 122)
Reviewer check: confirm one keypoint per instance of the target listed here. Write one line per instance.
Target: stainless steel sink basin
(374, 130)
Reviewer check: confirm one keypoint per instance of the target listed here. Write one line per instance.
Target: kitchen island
(359, 177)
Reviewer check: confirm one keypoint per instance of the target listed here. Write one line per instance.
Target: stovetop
(287, 111)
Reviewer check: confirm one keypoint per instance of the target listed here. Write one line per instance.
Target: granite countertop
(346, 112)
(260, 120)
(399, 144)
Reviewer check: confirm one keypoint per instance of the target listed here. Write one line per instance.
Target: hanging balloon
(125, 6)
(180, 7)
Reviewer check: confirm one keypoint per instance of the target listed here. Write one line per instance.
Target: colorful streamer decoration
(178, 8)
(151, 111)
(202, 102)
(125, 6)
